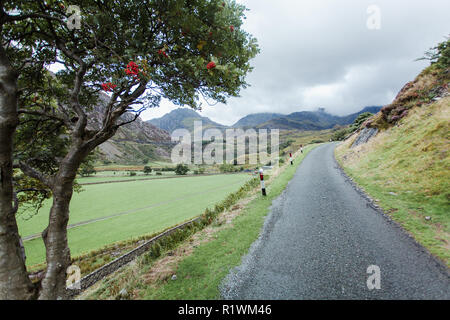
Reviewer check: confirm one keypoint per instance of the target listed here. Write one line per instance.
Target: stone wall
(118, 263)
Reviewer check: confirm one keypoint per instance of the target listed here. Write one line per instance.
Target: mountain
(350, 118)
(183, 118)
(252, 120)
(133, 142)
(305, 120)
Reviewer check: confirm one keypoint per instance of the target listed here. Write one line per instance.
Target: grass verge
(201, 263)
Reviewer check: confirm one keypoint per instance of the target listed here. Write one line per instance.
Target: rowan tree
(125, 57)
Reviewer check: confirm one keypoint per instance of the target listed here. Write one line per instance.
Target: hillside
(183, 118)
(401, 158)
(133, 142)
(313, 120)
(352, 117)
(253, 120)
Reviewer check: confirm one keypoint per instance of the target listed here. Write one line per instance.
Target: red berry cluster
(163, 53)
(132, 69)
(210, 65)
(108, 86)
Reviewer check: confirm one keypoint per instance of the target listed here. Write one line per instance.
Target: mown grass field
(121, 177)
(407, 169)
(142, 207)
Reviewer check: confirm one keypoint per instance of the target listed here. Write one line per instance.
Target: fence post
(261, 177)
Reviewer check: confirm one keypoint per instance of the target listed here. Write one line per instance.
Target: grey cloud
(320, 53)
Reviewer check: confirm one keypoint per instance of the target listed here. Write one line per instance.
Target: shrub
(395, 118)
(340, 134)
(181, 169)
(87, 170)
(147, 170)
(359, 121)
(155, 251)
(224, 168)
(404, 114)
(439, 55)
(386, 110)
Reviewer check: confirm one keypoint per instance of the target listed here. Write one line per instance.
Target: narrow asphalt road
(319, 240)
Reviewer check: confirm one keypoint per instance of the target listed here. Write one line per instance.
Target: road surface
(319, 240)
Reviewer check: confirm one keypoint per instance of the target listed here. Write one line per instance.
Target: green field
(138, 208)
(121, 176)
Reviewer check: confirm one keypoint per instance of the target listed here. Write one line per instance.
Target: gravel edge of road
(371, 203)
(229, 284)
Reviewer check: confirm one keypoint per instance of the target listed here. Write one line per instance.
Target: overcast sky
(321, 53)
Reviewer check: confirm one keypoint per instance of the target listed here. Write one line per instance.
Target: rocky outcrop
(364, 136)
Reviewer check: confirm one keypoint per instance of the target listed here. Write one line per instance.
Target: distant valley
(141, 141)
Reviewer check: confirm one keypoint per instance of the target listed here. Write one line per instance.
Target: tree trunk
(53, 286)
(55, 235)
(14, 281)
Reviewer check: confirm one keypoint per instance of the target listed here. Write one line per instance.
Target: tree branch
(34, 173)
(41, 114)
(10, 18)
(138, 113)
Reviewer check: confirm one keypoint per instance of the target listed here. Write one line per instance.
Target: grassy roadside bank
(201, 262)
(406, 170)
